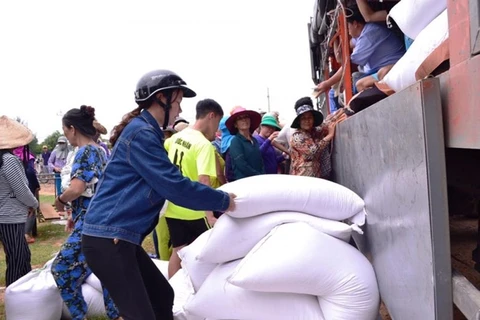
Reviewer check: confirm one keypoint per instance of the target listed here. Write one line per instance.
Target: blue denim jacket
(137, 180)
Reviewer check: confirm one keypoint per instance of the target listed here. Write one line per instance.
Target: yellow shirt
(194, 155)
(214, 182)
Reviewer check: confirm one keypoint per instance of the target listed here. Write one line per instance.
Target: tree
(51, 140)
(34, 147)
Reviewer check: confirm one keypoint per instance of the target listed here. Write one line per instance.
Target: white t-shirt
(285, 135)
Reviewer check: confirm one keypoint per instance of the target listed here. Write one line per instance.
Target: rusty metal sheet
(460, 92)
(459, 30)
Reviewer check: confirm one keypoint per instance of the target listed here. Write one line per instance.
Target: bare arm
(75, 190)
(370, 15)
(327, 84)
(204, 179)
(280, 147)
(220, 173)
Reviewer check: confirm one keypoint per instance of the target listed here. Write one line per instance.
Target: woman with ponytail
(69, 268)
(137, 181)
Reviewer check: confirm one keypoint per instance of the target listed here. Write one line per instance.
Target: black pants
(135, 284)
(17, 253)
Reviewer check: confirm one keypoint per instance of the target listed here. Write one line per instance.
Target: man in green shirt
(192, 152)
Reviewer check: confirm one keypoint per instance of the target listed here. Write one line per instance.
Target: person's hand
(231, 205)
(211, 218)
(330, 117)
(322, 87)
(59, 206)
(342, 117)
(70, 224)
(331, 131)
(273, 136)
(31, 212)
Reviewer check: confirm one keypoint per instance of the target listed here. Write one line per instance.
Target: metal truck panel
(392, 155)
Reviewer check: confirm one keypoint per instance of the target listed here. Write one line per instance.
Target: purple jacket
(270, 158)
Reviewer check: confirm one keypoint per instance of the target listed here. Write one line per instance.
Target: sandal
(29, 239)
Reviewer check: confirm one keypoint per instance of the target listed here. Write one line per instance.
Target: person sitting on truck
(371, 15)
(375, 49)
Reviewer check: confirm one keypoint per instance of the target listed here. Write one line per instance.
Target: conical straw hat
(13, 134)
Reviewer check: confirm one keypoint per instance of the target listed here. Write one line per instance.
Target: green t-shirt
(194, 155)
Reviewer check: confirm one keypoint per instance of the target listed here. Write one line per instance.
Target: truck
(414, 157)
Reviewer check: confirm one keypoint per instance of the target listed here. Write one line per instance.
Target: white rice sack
(282, 192)
(233, 238)
(197, 270)
(34, 296)
(217, 299)
(316, 264)
(94, 300)
(402, 75)
(183, 289)
(412, 16)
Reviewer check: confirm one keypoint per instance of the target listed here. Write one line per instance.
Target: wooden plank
(465, 296)
(49, 211)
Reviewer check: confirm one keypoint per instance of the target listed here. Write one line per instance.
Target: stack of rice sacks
(284, 253)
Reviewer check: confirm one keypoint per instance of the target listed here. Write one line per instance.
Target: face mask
(62, 146)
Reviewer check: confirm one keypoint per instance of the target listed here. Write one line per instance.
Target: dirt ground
(47, 189)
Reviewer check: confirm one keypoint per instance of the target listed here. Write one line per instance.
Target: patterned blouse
(87, 166)
(310, 154)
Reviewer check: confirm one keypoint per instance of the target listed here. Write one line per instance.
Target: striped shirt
(15, 196)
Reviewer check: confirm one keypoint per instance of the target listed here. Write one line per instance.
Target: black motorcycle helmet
(161, 80)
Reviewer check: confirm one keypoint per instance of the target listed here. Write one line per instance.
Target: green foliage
(33, 146)
(51, 140)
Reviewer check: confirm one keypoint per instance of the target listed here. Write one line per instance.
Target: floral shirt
(310, 154)
(88, 166)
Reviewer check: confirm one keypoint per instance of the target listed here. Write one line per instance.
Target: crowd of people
(166, 172)
(374, 47)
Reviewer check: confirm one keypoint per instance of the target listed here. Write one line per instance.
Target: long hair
(117, 130)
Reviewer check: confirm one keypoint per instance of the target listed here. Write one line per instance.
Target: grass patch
(50, 239)
(47, 199)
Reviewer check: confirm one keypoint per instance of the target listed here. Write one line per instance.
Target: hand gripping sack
(196, 270)
(233, 238)
(316, 264)
(412, 16)
(403, 73)
(217, 299)
(34, 296)
(282, 192)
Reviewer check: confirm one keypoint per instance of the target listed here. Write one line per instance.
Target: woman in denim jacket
(137, 180)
